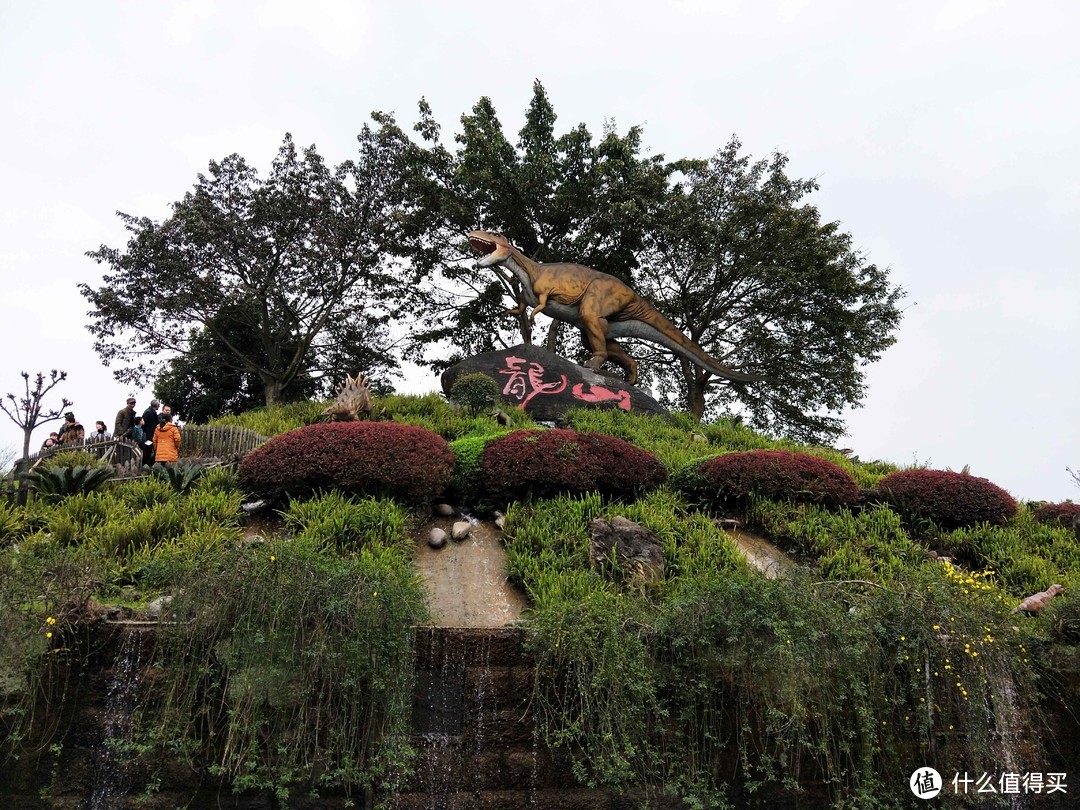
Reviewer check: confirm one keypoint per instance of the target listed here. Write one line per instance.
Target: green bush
(474, 392)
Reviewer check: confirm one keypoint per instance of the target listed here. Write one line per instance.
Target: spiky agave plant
(56, 483)
(180, 476)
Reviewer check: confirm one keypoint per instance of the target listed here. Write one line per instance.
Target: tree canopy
(273, 280)
(267, 286)
(557, 197)
(743, 265)
(728, 249)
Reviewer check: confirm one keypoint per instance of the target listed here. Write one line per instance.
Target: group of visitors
(154, 432)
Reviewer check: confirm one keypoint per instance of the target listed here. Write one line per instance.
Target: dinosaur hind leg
(618, 355)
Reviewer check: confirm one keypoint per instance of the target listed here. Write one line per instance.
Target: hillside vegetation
(892, 643)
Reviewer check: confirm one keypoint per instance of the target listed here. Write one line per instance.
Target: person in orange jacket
(166, 440)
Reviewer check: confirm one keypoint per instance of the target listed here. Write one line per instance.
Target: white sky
(944, 135)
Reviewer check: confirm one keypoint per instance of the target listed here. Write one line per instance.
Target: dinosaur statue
(602, 306)
(1037, 601)
(353, 403)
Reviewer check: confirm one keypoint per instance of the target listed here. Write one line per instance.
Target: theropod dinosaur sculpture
(602, 306)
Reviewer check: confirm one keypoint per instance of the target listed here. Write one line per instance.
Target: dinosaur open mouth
(481, 245)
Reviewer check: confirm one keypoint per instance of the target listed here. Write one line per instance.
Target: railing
(228, 443)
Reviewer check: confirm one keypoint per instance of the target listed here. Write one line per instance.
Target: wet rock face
(626, 550)
(547, 386)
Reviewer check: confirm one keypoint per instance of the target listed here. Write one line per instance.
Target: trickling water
(110, 777)
(1003, 719)
(455, 703)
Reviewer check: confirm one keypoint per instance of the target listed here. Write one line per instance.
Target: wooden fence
(228, 443)
(207, 444)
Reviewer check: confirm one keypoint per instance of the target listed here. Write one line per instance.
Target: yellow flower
(48, 635)
(376, 593)
(50, 620)
(273, 558)
(903, 638)
(937, 626)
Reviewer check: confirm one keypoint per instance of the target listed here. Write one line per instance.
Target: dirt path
(466, 581)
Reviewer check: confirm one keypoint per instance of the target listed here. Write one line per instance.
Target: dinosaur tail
(649, 324)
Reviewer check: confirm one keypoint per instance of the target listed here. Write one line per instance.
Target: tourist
(166, 441)
(99, 434)
(52, 441)
(71, 432)
(125, 420)
(150, 423)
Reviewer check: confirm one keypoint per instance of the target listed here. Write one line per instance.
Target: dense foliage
(360, 458)
(1057, 514)
(732, 480)
(949, 499)
(294, 669)
(542, 463)
(728, 249)
(269, 281)
(474, 392)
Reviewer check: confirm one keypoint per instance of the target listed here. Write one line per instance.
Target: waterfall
(111, 779)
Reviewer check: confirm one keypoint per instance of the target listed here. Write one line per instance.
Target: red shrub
(363, 458)
(951, 500)
(542, 463)
(1057, 514)
(729, 480)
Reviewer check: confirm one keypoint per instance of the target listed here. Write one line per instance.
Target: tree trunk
(552, 344)
(272, 389)
(696, 395)
(26, 441)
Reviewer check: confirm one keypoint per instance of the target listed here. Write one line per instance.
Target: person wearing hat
(71, 432)
(125, 421)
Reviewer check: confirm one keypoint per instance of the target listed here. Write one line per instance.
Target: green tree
(744, 266)
(557, 197)
(257, 277)
(27, 410)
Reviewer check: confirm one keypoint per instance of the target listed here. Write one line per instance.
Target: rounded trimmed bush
(952, 500)
(781, 475)
(544, 463)
(380, 459)
(474, 392)
(1057, 514)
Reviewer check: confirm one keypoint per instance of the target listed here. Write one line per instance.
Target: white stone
(437, 538)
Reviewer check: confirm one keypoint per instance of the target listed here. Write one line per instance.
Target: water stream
(111, 779)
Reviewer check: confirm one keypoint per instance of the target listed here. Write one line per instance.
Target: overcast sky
(944, 136)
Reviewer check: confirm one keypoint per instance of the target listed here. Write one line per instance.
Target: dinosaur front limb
(541, 302)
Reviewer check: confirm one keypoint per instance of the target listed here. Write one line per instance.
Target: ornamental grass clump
(376, 459)
(731, 481)
(544, 463)
(950, 500)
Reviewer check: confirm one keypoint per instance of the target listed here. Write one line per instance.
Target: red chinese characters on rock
(526, 380)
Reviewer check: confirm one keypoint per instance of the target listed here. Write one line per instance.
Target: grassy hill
(292, 661)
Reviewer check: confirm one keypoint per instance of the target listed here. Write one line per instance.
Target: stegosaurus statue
(353, 402)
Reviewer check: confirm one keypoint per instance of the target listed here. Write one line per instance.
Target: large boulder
(626, 551)
(547, 385)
